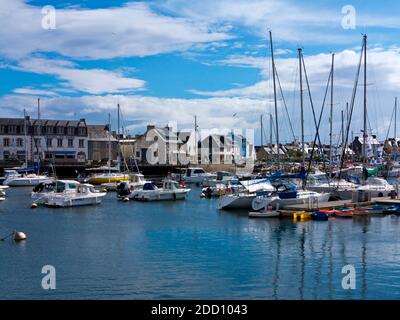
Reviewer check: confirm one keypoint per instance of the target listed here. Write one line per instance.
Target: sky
(169, 61)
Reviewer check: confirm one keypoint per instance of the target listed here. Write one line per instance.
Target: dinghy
(266, 213)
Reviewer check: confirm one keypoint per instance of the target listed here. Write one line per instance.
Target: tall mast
(261, 135)
(271, 124)
(195, 140)
(395, 118)
(365, 102)
(301, 108)
(118, 108)
(342, 128)
(275, 100)
(109, 147)
(39, 134)
(331, 117)
(25, 141)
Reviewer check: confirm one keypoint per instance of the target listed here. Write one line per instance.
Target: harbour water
(190, 250)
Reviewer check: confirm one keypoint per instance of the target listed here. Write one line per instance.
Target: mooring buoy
(19, 236)
(125, 199)
(34, 205)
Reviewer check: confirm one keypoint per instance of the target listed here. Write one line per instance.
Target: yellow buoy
(19, 236)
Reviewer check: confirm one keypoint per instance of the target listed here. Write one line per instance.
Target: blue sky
(170, 60)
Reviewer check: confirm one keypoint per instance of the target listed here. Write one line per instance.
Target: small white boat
(193, 175)
(25, 180)
(171, 190)
(69, 193)
(264, 214)
(3, 192)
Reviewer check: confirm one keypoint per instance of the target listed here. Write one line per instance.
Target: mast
(365, 103)
(271, 123)
(301, 108)
(109, 148)
(195, 140)
(25, 141)
(331, 117)
(261, 135)
(39, 135)
(275, 100)
(395, 118)
(342, 128)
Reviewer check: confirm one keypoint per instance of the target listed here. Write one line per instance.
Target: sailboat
(23, 177)
(108, 176)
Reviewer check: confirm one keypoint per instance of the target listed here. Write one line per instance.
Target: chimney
(150, 127)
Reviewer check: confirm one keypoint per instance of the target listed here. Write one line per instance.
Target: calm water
(189, 250)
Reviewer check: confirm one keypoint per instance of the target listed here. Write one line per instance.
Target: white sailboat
(16, 179)
(244, 198)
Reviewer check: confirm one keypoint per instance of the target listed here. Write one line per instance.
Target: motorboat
(15, 179)
(105, 174)
(3, 192)
(337, 188)
(222, 178)
(69, 193)
(377, 187)
(171, 190)
(136, 180)
(284, 199)
(193, 175)
(41, 191)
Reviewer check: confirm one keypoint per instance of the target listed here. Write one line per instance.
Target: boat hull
(156, 195)
(22, 182)
(235, 202)
(101, 180)
(60, 201)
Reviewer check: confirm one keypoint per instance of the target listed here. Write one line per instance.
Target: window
(59, 142)
(137, 154)
(49, 130)
(2, 129)
(81, 131)
(70, 143)
(37, 142)
(12, 129)
(70, 131)
(49, 143)
(20, 142)
(81, 143)
(6, 142)
(60, 130)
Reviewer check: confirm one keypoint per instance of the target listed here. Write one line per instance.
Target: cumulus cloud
(93, 81)
(133, 29)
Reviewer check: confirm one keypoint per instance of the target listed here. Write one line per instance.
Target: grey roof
(98, 133)
(41, 122)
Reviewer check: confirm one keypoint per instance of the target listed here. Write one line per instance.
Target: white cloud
(130, 30)
(93, 81)
(34, 92)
